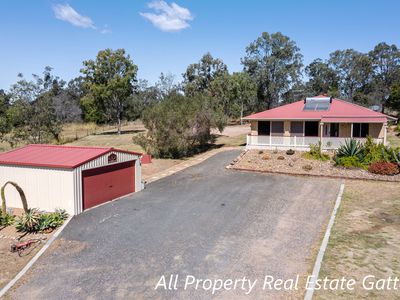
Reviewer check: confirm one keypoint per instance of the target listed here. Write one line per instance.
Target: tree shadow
(122, 132)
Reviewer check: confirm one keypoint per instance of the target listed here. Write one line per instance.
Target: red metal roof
(338, 110)
(53, 156)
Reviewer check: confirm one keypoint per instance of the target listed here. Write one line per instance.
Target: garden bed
(11, 262)
(297, 164)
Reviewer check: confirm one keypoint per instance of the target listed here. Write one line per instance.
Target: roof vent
(317, 103)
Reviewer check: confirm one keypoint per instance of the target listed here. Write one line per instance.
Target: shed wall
(45, 189)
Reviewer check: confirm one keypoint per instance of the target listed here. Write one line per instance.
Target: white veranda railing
(299, 141)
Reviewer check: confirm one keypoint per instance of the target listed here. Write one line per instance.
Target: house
(317, 119)
(69, 177)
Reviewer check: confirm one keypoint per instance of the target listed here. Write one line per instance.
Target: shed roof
(339, 109)
(54, 156)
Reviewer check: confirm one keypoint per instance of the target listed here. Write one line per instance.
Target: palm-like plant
(350, 147)
(29, 221)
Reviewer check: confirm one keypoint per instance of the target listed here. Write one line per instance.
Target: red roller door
(107, 183)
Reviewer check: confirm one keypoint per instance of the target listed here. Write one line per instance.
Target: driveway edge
(324, 244)
(34, 259)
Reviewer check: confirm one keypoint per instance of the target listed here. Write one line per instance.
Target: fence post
(295, 141)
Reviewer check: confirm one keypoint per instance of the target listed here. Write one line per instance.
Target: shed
(73, 178)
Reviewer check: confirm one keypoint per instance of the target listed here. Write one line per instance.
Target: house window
(334, 130)
(277, 128)
(360, 130)
(311, 128)
(296, 128)
(264, 127)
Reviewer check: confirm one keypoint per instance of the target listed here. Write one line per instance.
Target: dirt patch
(11, 263)
(280, 162)
(233, 130)
(364, 239)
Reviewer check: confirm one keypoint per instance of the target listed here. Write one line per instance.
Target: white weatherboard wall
(46, 189)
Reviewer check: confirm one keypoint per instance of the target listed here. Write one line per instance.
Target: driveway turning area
(206, 222)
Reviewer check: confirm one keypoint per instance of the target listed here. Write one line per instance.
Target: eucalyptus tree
(274, 62)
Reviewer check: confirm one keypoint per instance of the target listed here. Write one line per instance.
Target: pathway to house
(205, 221)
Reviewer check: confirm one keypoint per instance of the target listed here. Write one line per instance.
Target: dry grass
(393, 137)
(364, 239)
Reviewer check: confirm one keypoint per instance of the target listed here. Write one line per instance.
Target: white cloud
(67, 13)
(168, 17)
(105, 30)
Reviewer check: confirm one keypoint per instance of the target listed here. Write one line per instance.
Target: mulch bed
(272, 162)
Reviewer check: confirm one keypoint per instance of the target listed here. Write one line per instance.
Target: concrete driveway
(206, 221)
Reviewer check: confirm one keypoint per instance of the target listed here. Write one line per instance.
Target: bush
(29, 221)
(351, 147)
(349, 162)
(280, 157)
(290, 152)
(6, 220)
(316, 153)
(373, 152)
(383, 168)
(179, 126)
(33, 221)
(307, 167)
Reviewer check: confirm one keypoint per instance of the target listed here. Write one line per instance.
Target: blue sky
(167, 38)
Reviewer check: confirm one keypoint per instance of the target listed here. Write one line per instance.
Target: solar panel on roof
(317, 104)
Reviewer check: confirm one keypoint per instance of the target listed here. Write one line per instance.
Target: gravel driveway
(206, 221)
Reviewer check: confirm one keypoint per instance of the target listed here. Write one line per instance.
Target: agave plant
(7, 219)
(350, 147)
(29, 221)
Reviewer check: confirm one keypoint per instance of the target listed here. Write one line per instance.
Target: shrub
(29, 221)
(373, 152)
(316, 152)
(7, 219)
(280, 157)
(260, 152)
(290, 152)
(307, 167)
(180, 126)
(349, 162)
(33, 221)
(383, 168)
(351, 147)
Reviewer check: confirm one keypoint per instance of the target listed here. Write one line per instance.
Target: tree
(4, 123)
(199, 76)
(179, 126)
(110, 80)
(386, 69)
(31, 115)
(394, 98)
(166, 85)
(236, 94)
(66, 101)
(145, 96)
(354, 70)
(322, 79)
(274, 62)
